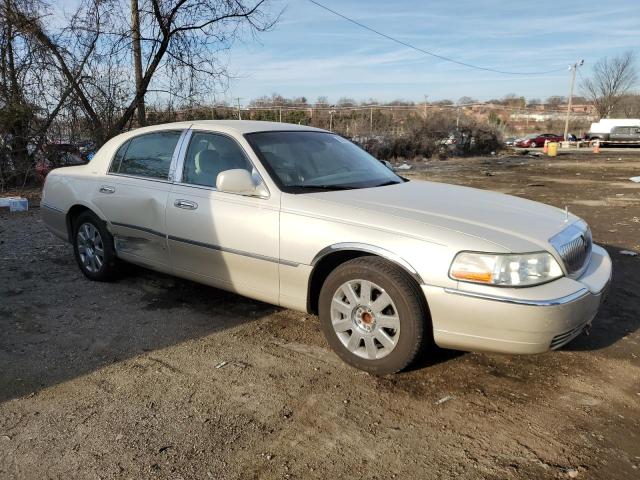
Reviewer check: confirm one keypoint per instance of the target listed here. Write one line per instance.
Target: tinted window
(149, 155)
(208, 155)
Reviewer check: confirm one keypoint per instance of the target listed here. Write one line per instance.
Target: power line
(427, 52)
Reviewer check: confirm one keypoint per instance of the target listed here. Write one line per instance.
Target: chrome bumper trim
(522, 301)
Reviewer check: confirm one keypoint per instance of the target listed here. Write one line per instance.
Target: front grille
(574, 245)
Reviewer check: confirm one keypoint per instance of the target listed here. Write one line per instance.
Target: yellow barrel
(553, 149)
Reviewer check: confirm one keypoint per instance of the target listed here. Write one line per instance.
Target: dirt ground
(154, 377)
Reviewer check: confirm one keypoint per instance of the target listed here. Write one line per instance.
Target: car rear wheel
(374, 315)
(93, 248)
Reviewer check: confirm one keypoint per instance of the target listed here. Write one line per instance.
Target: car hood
(421, 209)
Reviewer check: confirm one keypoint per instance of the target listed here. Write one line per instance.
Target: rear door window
(147, 155)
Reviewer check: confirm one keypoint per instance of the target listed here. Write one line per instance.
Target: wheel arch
(334, 255)
(73, 213)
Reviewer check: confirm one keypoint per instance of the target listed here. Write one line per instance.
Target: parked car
(302, 218)
(56, 155)
(510, 141)
(537, 140)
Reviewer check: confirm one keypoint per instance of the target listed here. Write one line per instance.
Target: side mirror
(240, 181)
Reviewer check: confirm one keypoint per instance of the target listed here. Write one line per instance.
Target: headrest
(207, 162)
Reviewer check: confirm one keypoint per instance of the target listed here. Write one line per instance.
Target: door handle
(186, 204)
(107, 189)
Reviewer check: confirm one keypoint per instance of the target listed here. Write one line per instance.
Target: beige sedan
(302, 218)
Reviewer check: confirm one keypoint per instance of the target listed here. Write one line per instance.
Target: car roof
(230, 126)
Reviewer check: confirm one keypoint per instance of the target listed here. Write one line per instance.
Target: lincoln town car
(302, 218)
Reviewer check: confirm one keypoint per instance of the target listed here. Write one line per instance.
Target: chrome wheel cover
(90, 247)
(365, 319)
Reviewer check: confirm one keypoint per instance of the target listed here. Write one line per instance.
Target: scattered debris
(233, 363)
(629, 253)
(487, 173)
(444, 399)
(635, 179)
(6, 437)
(404, 166)
(536, 185)
(535, 154)
(572, 473)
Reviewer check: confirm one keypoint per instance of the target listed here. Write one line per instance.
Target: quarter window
(115, 164)
(147, 155)
(208, 155)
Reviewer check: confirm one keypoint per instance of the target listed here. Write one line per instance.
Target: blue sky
(311, 52)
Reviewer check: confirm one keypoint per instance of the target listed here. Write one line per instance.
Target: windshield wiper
(390, 182)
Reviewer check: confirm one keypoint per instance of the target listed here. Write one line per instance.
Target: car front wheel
(374, 315)
(93, 248)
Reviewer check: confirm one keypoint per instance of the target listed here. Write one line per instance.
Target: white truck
(602, 130)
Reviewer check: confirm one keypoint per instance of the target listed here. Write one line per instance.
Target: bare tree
(610, 80)
(31, 93)
(465, 100)
(628, 106)
(176, 47)
(555, 101)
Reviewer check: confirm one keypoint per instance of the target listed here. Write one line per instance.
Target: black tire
(107, 269)
(415, 332)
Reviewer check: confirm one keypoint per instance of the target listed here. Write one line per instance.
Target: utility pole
(425, 106)
(574, 69)
(238, 100)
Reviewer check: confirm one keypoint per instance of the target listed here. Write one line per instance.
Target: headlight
(510, 270)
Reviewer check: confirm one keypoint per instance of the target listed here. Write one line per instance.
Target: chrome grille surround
(574, 244)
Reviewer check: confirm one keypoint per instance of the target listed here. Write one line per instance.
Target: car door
(227, 240)
(133, 196)
(619, 133)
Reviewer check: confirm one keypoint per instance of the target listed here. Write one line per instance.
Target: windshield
(310, 161)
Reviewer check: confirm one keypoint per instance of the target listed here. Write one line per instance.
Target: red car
(537, 140)
(56, 155)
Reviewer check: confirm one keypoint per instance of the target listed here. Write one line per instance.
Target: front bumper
(519, 320)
